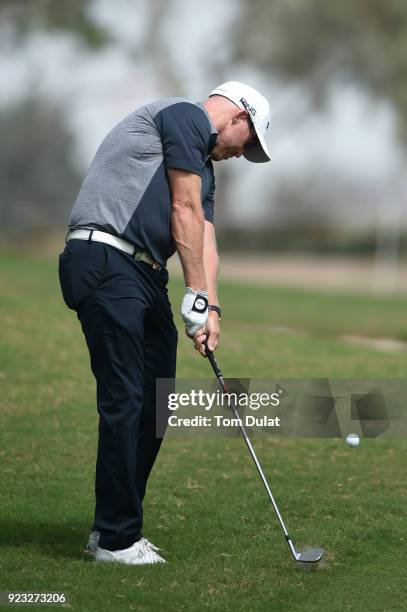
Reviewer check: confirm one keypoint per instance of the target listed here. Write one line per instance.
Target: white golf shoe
(93, 542)
(140, 553)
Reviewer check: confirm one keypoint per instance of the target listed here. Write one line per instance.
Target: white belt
(119, 243)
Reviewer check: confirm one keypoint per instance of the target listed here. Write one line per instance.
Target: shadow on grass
(53, 539)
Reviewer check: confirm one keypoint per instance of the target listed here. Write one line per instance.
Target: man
(148, 192)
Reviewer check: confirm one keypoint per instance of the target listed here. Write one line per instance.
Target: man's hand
(211, 333)
(194, 310)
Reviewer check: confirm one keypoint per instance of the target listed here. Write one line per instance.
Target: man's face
(236, 137)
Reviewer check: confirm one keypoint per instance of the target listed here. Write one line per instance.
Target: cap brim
(260, 153)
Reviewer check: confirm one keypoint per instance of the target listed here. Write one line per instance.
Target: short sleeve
(208, 202)
(185, 133)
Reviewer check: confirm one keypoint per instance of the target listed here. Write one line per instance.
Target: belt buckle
(142, 255)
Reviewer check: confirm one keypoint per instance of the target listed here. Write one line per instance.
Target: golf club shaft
(219, 376)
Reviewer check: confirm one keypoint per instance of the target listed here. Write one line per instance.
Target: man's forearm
(211, 263)
(188, 231)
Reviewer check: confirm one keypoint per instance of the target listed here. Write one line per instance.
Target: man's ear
(239, 115)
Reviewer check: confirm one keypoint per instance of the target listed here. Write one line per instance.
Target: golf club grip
(213, 362)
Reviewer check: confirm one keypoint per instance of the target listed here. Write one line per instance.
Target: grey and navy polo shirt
(126, 192)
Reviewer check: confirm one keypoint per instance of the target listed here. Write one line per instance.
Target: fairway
(205, 506)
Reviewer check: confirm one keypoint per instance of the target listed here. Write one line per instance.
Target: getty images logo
(250, 109)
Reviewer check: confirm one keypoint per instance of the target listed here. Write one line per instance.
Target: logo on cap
(250, 109)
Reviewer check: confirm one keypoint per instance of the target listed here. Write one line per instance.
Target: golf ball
(352, 439)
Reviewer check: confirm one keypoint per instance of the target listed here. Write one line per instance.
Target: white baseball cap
(250, 99)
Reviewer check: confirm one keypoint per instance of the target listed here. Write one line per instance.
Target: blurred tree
(155, 48)
(315, 42)
(21, 17)
(39, 181)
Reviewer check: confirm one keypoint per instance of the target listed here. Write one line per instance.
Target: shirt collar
(214, 132)
(213, 128)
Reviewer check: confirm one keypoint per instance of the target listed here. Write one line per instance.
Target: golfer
(148, 193)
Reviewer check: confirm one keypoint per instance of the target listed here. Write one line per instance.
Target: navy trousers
(126, 318)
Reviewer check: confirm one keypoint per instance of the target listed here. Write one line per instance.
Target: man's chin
(219, 156)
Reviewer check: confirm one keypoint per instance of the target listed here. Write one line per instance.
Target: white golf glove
(194, 310)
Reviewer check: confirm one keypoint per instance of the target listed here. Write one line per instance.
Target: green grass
(205, 506)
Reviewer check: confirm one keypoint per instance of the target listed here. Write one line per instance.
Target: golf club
(312, 555)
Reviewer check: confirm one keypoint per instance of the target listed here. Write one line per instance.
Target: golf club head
(313, 555)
